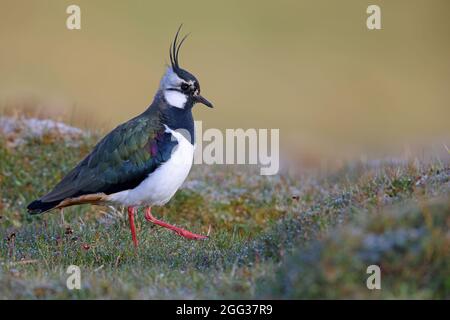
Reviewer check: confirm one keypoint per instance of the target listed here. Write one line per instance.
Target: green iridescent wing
(120, 161)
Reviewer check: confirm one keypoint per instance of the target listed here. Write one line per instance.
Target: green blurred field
(310, 68)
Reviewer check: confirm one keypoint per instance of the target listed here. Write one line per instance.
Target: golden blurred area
(310, 68)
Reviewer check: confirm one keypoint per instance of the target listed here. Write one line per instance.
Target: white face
(175, 98)
(171, 86)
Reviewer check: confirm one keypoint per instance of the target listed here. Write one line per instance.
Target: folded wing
(120, 161)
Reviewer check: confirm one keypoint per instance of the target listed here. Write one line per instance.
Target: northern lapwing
(142, 162)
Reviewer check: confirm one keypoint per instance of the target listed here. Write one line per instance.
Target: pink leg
(179, 231)
(132, 226)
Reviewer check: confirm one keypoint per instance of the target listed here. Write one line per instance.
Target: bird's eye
(185, 87)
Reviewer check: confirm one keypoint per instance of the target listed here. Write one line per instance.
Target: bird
(142, 162)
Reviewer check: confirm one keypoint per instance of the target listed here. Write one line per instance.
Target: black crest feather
(175, 49)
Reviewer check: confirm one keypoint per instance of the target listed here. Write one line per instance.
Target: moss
(280, 236)
(413, 256)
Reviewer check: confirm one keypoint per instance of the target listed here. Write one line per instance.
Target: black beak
(198, 98)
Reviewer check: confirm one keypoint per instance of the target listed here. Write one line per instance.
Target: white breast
(159, 187)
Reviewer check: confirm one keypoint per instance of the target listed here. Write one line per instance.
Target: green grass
(307, 236)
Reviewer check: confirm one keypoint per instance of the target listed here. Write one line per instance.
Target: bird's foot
(182, 232)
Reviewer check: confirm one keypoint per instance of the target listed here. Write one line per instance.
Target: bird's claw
(190, 235)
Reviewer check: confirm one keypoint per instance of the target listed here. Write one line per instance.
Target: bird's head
(181, 88)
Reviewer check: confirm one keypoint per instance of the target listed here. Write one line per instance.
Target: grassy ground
(303, 236)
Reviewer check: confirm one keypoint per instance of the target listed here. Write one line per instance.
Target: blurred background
(310, 68)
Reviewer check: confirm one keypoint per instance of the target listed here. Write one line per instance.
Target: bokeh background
(310, 68)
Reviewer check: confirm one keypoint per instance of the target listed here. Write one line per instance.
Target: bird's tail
(39, 206)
